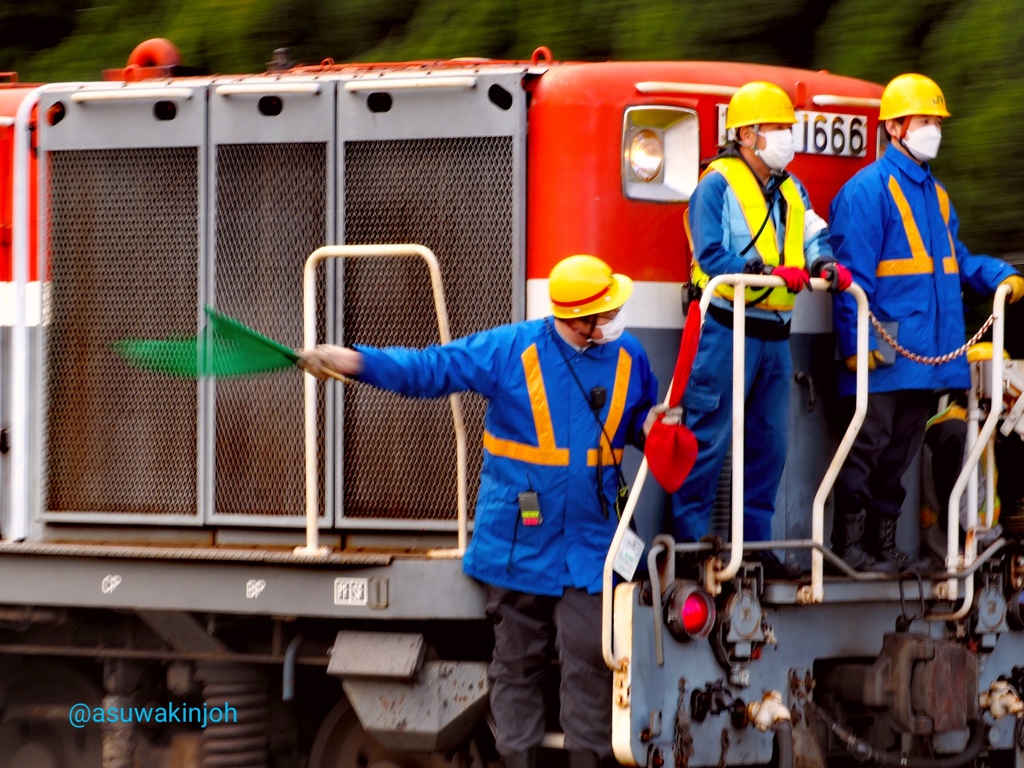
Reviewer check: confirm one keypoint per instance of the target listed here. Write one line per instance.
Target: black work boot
(527, 759)
(886, 550)
(848, 541)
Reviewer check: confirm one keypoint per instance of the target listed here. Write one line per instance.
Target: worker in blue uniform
(565, 393)
(748, 216)
(895, 228)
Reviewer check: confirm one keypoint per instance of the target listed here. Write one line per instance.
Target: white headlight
(646, 155)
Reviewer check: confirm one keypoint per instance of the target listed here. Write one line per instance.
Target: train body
(156, 532)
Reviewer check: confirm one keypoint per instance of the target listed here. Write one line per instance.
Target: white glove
(673, 417)
(327, 359)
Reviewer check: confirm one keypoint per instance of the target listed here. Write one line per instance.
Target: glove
(874, 358)
(326, 359)
(1016, 283)
(672, 417)
(795, 278)
(754, 266)
(840, 277)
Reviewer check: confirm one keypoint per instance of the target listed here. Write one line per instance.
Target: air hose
(864, 752)
(784, 742)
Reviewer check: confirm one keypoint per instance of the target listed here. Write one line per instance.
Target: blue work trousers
(708, 402)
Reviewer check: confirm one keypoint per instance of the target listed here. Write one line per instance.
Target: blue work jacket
(540, 435)
(893, 225)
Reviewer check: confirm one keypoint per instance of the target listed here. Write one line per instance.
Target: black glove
(754, 266)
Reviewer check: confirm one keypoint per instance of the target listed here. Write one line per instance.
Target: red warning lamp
(689, 612)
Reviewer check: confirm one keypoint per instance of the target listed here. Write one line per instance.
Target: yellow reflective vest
(750, 195)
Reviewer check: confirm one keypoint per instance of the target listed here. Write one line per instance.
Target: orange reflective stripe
(919, 263)
(949, 265)
(546, 451)
(615, 411)
(606, 457)
(538, 398)
(508, 449)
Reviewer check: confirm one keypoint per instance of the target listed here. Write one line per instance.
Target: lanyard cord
(618, 470)
(769, 204)
(770, 201)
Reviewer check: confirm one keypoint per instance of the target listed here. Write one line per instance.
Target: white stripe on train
(33, 304)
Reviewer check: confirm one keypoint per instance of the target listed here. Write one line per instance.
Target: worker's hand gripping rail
(729, 570)
(968, 478)
(309, 341)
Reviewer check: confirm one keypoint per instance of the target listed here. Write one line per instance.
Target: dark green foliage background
(973, 48)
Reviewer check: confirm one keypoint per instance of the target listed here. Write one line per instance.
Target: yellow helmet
(584, 285)
(982, 351)
(759, 102)
(912, 95)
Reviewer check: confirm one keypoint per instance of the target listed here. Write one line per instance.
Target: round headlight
(646, 155)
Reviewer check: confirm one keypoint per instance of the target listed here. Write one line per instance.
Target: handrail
(309, 341)
(816, 593)
(716, 577)
(701, 89)
(738, 402)
(128, 94)
(968, 477)
(409, 84)
(267, 88)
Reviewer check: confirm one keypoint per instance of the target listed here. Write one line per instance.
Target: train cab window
(660, 153)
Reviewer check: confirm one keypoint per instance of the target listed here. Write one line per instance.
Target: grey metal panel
(121, 212)
(124, 123)
(393, 655)
(240, 117)
(444, 168)
(805, 634)
(118, 440)
(434, 112)
(245, 587)
(434, 712)
(271, 204)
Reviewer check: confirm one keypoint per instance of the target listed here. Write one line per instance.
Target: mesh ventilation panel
(271, 213)
(455, 196)
(123, 245)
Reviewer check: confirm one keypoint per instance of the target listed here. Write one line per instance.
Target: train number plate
(820, 133)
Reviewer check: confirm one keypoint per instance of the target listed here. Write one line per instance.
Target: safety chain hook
(940, 359)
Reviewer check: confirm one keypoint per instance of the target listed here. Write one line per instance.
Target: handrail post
(312, 547)
(816, 593)
(949, 589)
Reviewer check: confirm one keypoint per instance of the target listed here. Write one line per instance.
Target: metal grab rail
(715, 577)
(968, 477)
(816, 592)
(312, 547)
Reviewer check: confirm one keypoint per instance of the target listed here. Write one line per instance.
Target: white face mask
(923, 143)
(779, 149)
(611, 330)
